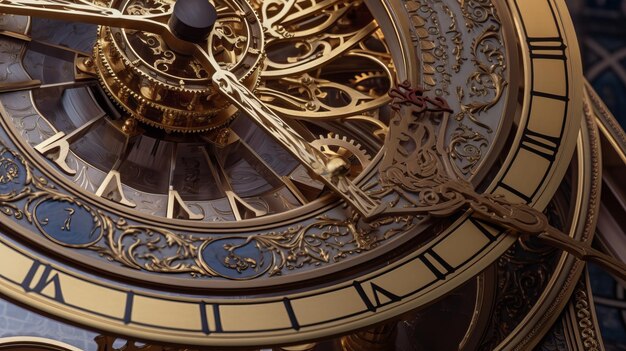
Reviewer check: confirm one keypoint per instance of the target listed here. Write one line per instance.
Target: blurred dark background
(601, 29)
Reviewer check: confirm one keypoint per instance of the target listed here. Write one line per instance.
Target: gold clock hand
(416, 180)
(453, 194)
(330, 170)
(85, 11)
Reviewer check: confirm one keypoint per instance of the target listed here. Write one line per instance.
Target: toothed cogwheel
(168, 90)
(348, 149)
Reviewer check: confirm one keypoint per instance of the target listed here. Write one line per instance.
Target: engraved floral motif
(324, 240)
(466, 146)
(28, 197)
(432, 45)
(477, 12)
(9, 170)
(457, 40)
(486, 84)
(417, 178)
(445, 49)
(150, 248)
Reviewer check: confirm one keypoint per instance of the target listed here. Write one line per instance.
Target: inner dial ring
(243, 174)
(169, 90)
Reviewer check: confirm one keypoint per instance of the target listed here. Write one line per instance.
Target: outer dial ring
(413, 281)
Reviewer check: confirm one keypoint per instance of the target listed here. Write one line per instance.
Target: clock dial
(125, 162)
(234, 171)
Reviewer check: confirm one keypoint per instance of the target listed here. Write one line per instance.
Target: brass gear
(335, 145)
(173, 104)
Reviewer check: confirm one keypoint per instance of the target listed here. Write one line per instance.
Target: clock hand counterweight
(84, 11)
(190, 20)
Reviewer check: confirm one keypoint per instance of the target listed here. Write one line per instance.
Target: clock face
(132, 188)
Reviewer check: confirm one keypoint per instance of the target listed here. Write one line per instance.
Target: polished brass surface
(304, 189)
(431, 191)
(132, 80)
(170, 90)
(305, 347)
(381, 338)
(337, 177)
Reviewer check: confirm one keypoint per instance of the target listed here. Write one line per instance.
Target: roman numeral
(550, 96)
(57, 149)
(111, 188)
(177, 208)
(32, 283)
(436, 264)
(128, 311)
(547, 48)
(218, 319)
(241, 208)
(292, 315)
(482, 226)
(515, 192)
(540, 144)
(203, 318)
(382, 297)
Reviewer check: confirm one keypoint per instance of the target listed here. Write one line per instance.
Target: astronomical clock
(302, 175)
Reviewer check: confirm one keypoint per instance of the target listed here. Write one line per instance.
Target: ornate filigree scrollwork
(59, 217)
(25, 196)
(486, 84)
(150, 248)
(478, 54)
(322, 241)
(326, 60)
(477, 12)
(465, 147)
(417, 178)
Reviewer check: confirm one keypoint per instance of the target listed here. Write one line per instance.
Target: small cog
(335, 145)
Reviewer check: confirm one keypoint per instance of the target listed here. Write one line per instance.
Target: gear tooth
(343, 142)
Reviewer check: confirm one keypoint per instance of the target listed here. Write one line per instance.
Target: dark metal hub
(193, 20)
